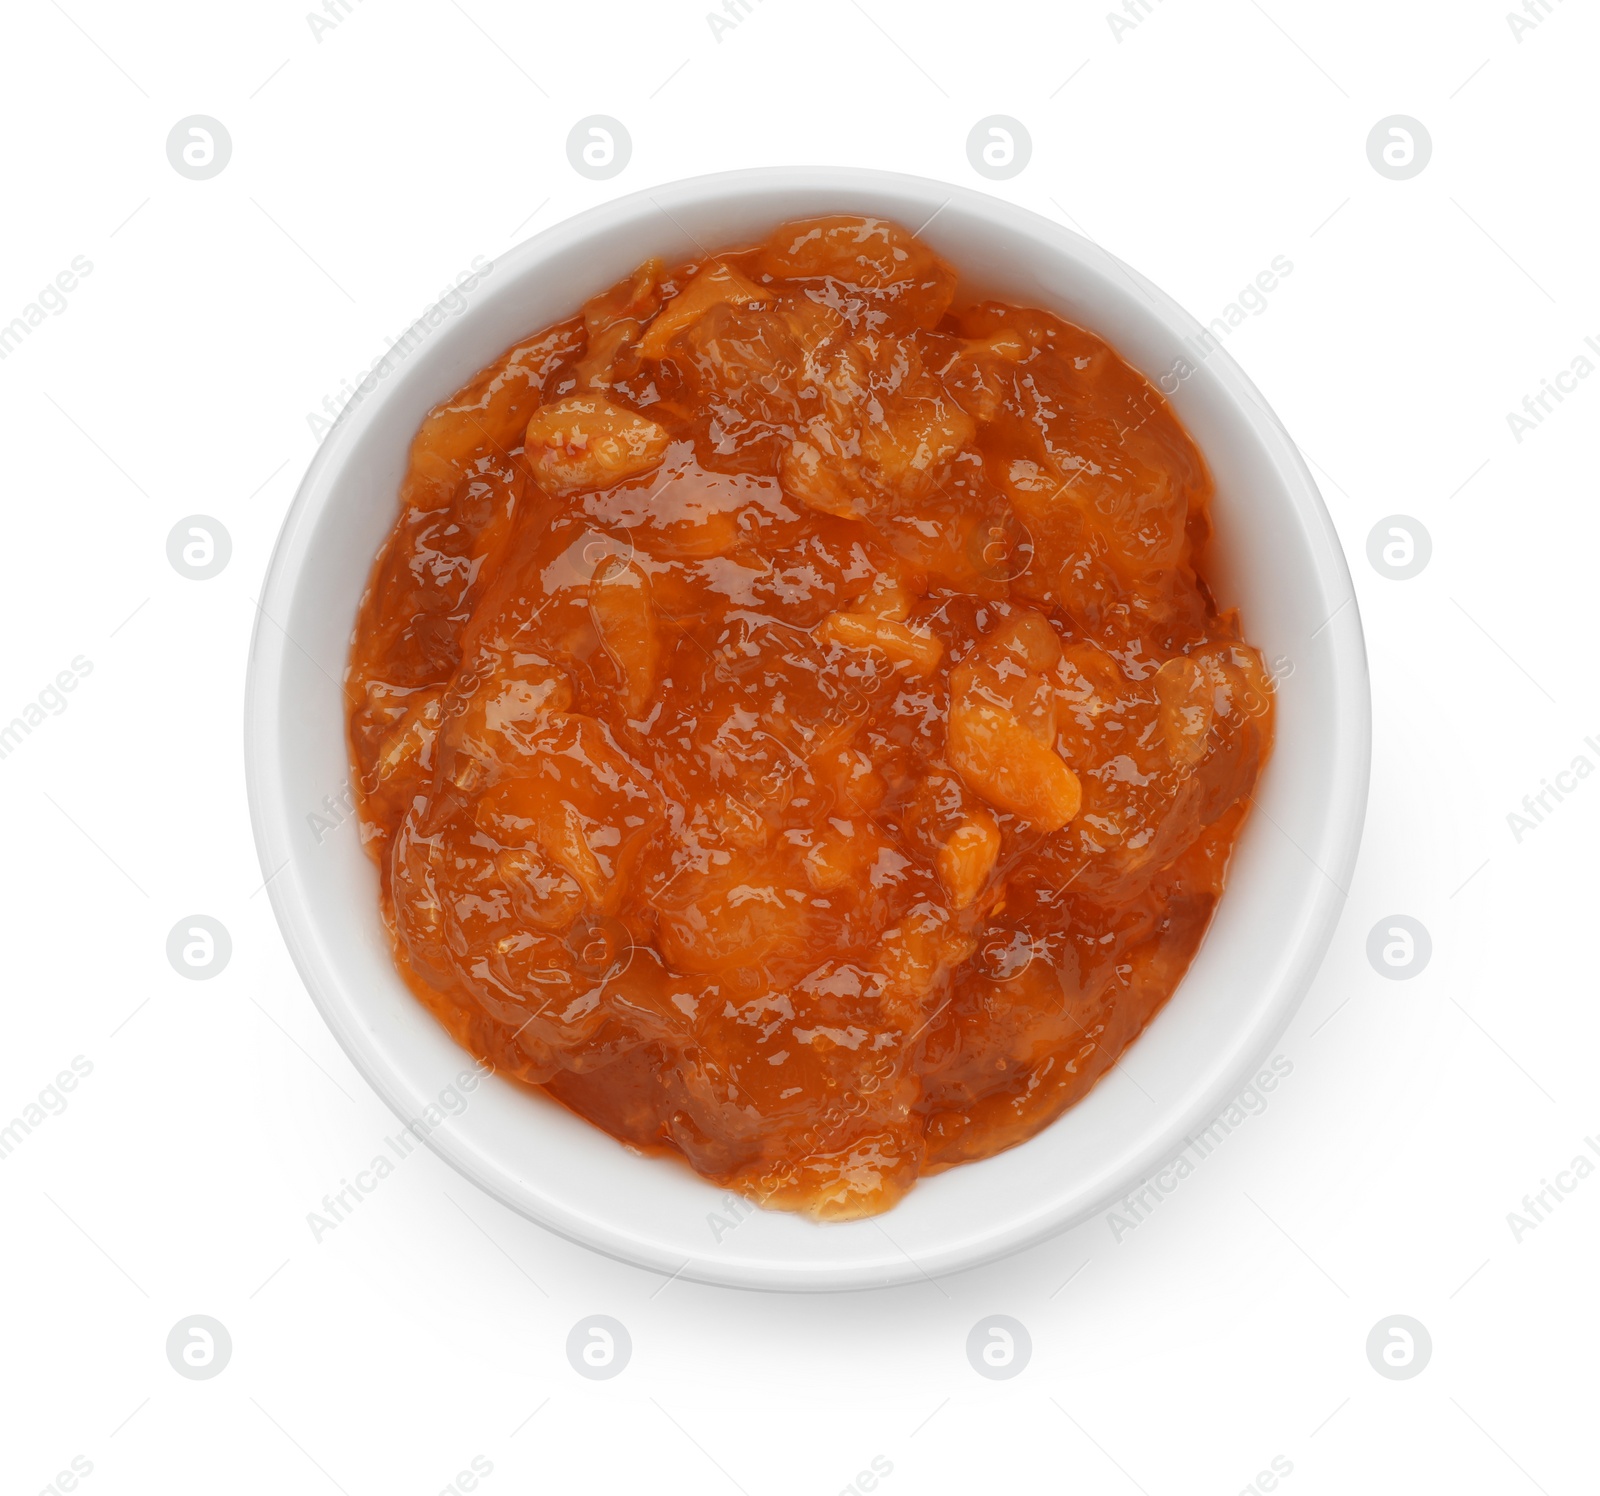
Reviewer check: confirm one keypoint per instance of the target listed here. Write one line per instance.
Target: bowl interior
(1275, 557)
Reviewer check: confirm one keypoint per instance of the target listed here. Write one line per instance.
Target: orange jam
(789, 720)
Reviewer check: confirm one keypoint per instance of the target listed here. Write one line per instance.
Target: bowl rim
(1342, 821)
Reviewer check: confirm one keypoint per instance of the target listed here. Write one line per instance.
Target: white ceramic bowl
(1277, 557)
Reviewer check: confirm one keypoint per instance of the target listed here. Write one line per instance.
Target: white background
(369, 168)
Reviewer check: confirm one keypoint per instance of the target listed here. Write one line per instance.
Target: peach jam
(790, 722)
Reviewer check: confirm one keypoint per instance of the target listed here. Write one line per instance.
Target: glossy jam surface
(789, 721)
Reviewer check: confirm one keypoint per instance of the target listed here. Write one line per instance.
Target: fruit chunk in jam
(789, 720)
